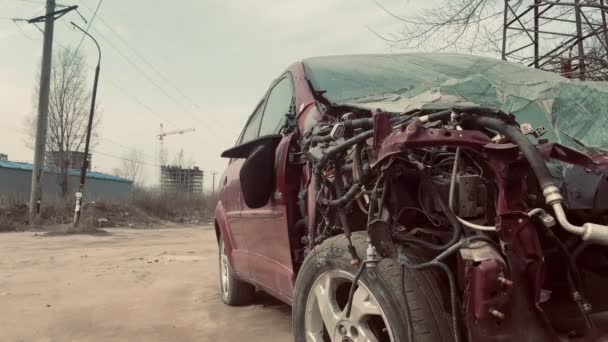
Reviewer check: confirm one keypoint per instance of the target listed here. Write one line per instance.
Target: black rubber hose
(365, 123)
(319, 139)
(449, 251)
(333, 151)
(348, 168)
(573, 275)
(485, 111)
(343, 200)
(443, 115)
(353, 287)
(532, 155)
(436, 262)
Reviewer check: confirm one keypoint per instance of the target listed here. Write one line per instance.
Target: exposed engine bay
(466, 184)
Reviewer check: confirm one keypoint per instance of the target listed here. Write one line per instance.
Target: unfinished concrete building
(67, 159)
(175, 179)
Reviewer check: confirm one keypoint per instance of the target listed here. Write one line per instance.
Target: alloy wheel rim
(224, 279)
(325, 318)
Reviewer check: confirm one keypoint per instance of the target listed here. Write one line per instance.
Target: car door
(267, 233)
(231, 198)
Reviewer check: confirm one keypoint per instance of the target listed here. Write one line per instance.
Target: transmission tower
(568, 37)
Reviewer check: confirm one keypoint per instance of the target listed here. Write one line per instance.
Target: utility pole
(213, 185)
(43, 111)
(85, 159)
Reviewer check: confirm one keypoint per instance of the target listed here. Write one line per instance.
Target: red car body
(256, 240)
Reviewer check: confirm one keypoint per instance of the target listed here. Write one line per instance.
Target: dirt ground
(128, 285)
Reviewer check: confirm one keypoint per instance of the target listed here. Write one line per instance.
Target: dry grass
(150, 208)
(175, 207)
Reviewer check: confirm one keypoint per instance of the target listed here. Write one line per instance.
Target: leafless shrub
(175, 206)
(455, 24)
(132, 167)
(14, 213)
(69, 106)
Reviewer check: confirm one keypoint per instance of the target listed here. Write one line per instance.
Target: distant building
(16, 179)
(66, 159)
(181, 180)
(3, 156)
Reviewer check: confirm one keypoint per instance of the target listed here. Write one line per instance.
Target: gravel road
(128, 285)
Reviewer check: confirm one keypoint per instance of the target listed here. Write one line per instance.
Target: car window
(278, 103)
(253, 124)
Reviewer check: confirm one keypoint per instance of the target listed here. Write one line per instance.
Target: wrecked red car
(422, 197)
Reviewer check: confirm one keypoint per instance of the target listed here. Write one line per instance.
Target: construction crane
(161, 141)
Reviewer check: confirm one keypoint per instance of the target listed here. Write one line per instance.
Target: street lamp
(85, 161)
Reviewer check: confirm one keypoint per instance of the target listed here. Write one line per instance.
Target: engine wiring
(342, 172)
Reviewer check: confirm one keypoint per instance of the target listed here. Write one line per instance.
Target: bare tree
(69, 106)
(117, 172)
(132, 167)
(181, 160)
(455, 24)
(476, 26)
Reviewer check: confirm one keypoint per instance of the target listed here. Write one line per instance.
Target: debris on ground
(102, 215)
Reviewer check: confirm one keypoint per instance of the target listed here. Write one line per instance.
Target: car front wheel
(233, 291)
(378, 310)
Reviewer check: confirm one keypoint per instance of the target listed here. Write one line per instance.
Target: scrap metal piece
(526, 128)
(480, 251)
(539, 132)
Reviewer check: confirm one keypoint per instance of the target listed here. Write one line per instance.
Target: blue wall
(15, 187)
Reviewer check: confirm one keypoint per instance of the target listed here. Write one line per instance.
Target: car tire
(233, 291)
(381, 286)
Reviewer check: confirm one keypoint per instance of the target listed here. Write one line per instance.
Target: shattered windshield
(574, 113)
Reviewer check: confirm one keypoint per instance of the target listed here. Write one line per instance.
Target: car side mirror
(257, 173)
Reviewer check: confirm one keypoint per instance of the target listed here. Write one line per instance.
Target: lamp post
(85, 159)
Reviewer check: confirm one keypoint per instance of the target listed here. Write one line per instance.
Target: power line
(144, 59)
(122, 89)
(31, 133)
(149, 78)
(141, 162)
(23, 32)
(114, 142)
(27, 133)
(126, 93)
(125, 159)
(141, 71)
(87, 29)
(42, 3)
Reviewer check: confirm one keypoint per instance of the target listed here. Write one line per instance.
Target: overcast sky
(206, 65)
